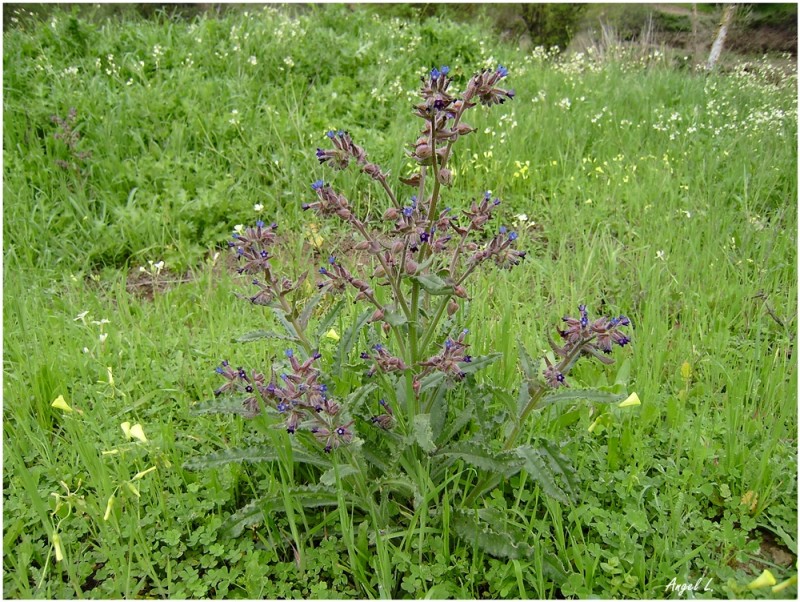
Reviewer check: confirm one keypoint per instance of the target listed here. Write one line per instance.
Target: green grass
(654, 192)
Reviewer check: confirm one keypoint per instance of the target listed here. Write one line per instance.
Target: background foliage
(637, 186)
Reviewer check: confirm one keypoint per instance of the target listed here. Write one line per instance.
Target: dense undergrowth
(635, 186)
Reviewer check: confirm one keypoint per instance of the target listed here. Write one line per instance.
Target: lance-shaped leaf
(257, 335)
(459, 422)
(251, 454)
(422, 433)
(590, 395)
(287, 325)
(551, 469)
(354, 400)
(253, 513)
(348, 341)
(504, 463)
(395, 317)
(489, 530)
(529, 367)
(327, 321)
(308, 309)
(329, 476)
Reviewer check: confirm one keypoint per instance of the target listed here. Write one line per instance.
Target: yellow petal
(126, 429)
(137, 432)
(686, 371)
(109, 507)
(594, 424)
(139, 475)
(633, 400)
(133, 489)
(57, 546)
(784, 584)
(750, 499)
(766, 579)
(60, 404)
(331, 334)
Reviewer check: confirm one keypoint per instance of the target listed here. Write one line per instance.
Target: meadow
(133, 148)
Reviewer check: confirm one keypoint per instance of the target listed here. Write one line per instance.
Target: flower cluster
(583, 337)
(296, 395)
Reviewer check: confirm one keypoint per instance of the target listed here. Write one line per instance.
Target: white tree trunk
(716, 48)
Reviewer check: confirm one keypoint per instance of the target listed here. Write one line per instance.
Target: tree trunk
(716, 48)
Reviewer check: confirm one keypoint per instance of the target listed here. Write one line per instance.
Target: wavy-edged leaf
(529, 367)
(355, 398)
(328, 478)
(423, 435)
(474, 454)
(543, 464)
(468, 526)
(287, 325)
(256, 453)
(433, 284)
(461, 420)
(257, 335)
(308, 309)
(308, 496)
(348, 341)
(591, 395)
(434, 379)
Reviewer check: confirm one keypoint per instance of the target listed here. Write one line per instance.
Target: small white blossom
(253, 60)
(258, 207)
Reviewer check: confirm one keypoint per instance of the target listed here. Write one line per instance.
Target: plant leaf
(327, 321)
(461, 420)
(590, 395)
(308, 309)
(433, 284)
(308, 496)
(504, 463)
(328, 477)
(423, 434)
(287, 325)
(355, 398)
(348, 341)
(250, 454)
(468, 526)
(395, 318)
(529, 367)
(543, 464)
(257, 335)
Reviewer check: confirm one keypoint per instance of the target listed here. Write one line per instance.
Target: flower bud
(452, 307)
(397, 246)
(386, 327)
(391, 214)
(411, 266)
(377, 315)
(463, 129)
(460, 291)
(445, 177)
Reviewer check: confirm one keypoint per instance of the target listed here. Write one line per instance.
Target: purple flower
(318, 184)
(502, 71)
(330, 134)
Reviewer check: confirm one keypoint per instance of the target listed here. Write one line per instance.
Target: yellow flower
(633, 400)
(133, 432)
(766, 579)
(60, 404)
(109, 507)
(57, 546)
(331, 334)
(139, 475)
(784, 584)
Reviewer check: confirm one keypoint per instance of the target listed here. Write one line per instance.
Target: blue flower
(289, 353)
(332, 259)
(259, 224)
(330, 134)
(512, 236)
(445, 70)
(502, 71)
(317, 185)
(434, 73)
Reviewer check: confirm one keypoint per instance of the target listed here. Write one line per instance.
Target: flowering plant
(395, 429)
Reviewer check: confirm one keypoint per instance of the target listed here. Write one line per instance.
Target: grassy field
(637, 187)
